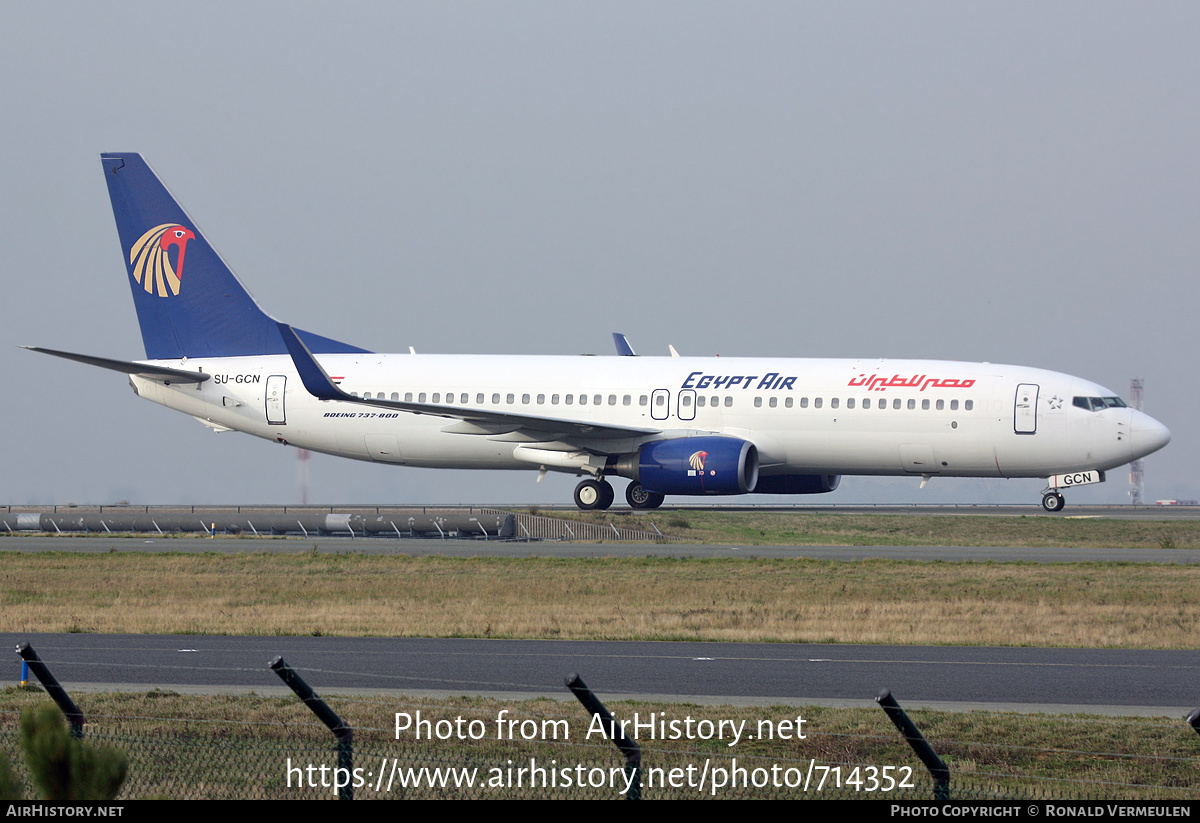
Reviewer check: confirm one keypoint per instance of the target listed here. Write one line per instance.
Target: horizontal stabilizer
(140, 369)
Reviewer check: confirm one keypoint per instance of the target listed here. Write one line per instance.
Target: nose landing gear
(1052, 501)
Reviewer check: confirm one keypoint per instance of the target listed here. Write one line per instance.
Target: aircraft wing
(515, 427)
(140, 369)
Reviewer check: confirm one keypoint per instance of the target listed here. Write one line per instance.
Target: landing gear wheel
(639, 498)
(594, 494)
(1053, 502)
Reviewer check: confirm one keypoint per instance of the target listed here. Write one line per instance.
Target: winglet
(314, 378)
(623, 347)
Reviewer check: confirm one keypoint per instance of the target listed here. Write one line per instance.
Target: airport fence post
(938, 769)
(57, 693)
(341, 732)
(614, 732)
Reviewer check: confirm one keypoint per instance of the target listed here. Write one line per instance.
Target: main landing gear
(596, 493)
(639, 498)
(1052, 501)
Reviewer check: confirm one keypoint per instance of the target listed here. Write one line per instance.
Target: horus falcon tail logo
(151, 262)
(696, 461)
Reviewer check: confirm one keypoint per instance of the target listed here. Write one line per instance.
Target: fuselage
(853, 417)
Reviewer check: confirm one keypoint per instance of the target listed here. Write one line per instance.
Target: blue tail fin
(189, 303)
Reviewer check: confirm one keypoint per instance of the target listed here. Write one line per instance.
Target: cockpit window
(1098, 403)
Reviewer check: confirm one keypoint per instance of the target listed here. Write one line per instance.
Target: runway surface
(1122, 682)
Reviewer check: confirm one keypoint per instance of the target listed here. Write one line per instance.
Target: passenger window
(866, 402)
(525, 399)
(511, 399)
(925, 404)
(849, 402)
(816, 402)
(554, 400)
(643, 400)
(495, 399)
(626, 400)
(408, 397)
(833, 402)
(597, 400)
(569, 399)
(700, 402)
(773, 402)
(787, 403)
(660, 400)
(896, 403)
(803, 402)
(479, 398)
(968, 405)
(941, 404)
(729, 402)
(541, 399)
(437, 397)
(953, 405)
(612, 400)
(912, 404)
(758, 402)
(421, 397)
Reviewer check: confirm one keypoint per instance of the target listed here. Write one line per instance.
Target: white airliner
(671, 425)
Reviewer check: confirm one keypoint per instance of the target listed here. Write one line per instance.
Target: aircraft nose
(1148, 435)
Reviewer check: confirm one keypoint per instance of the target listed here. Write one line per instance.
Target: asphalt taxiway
(546, 548)
(1098, 681)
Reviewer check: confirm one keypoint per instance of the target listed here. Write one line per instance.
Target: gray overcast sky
(1011, 182)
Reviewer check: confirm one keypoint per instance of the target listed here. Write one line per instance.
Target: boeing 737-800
(671, 425)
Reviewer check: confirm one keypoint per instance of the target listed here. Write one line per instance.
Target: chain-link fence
(198, 765)
(303, 746)
(199, 761)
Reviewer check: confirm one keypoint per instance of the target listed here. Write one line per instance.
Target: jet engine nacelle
(797, 483)
(698, 465)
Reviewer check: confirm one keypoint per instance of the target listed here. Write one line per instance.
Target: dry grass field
(349, 594)
(790, 528)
